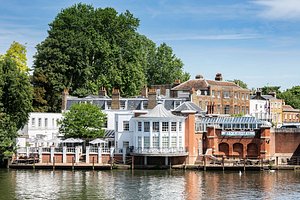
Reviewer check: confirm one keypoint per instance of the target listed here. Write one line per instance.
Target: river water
(150, 184)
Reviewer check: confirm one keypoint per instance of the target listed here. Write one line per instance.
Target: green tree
(87, 49)
(291, 96)
(15, 103)
(240, 83)
(83, 121)
(17, 52)
(268, 89)
(165, 67)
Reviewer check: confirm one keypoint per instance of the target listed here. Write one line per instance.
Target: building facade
(215, 96)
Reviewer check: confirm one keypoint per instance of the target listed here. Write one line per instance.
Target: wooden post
(262, 163)
(93, 162)
(72, 163)
(53, 163)
(111, 164)
(276, 160)
(223, 160)
(244, 164)
(204, 163)
(33, 166)
(132, 162)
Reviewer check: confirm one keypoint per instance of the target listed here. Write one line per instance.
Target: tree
(17, 52)
(15, 102)
(83, 121)
(269, 89)
(87, 49)
(291, 96)
(240, 83)
(166, 67)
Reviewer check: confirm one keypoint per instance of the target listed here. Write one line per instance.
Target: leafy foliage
(89, 48)
(17, 52)
(240, 83)
(268, 89)
(291, 96)
(83, 121)
(15, 100)
(165, 67)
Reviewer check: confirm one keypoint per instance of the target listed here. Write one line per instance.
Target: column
(40, 154)
(170, 127)
(99, 155)
(27, 151)
(77, 150)
(177, 136)
(145, 160)
(151, 135)
(64, 154)
(87, 154)
(166, 160)
(160, 135)
(51, 154)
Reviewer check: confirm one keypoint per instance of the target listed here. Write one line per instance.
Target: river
(150, 184)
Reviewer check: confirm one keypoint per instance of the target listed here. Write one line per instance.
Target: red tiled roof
(289, 108)
(203, 84)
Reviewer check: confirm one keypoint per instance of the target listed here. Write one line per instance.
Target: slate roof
(159, 111)
(189, 106)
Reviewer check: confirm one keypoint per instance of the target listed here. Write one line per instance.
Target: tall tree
(240, 83)
(166, 67)
(291, 96)
(17, 52)
(15, 102)
(269, 89)
(86, 49)
(83, 121)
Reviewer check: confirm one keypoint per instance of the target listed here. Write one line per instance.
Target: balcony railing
(171, 150)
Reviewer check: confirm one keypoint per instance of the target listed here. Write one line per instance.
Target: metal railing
(139, 150)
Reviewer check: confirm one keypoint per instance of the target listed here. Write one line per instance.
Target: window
(53, 122)
(155, 127)
(139, 141)
(243, 96)
(218, 94)
(146, 142)
(180, 141)
(146, 126)
(219, 109)
(139, 126)
(173, 126)
(226, 94)
(155, 142)
(165, 142)
(165, 126)
(39, 122)
(180, 126)
(227, 109)
(125, 125)
(108, 103)
(105, 123)
(213, 93)
(33, 122)
(174, 142)
(46, 122)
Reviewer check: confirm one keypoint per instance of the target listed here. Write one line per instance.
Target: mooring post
(53, 163)
(244, 163)
(132, 162)
(72, 163)
(204, 157)
(93, 162)
(223, 160)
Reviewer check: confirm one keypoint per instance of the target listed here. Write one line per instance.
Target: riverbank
(85, 166)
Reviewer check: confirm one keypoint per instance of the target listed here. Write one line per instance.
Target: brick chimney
(273, 94)
(64, 99)
(218, 77)
(258, 92)
(151, 98)
(144, 92)
(115, 99)
(102, 92)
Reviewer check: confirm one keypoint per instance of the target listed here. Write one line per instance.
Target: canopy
(97, 141)
(72, 140)
(54, 140)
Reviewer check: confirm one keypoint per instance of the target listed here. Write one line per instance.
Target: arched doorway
(252, 150)
(238, 150)
(224, 149)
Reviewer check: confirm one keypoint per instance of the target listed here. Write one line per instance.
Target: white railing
(21, 150)
(58, 150)
(33, 149)
(171, 150)
(46, 150)
(70, 149)
(93, 149)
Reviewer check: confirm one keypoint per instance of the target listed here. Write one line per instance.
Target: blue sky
(257, 41)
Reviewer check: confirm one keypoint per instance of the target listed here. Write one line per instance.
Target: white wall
(259, 108)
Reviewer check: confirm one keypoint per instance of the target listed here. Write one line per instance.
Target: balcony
(159, 152)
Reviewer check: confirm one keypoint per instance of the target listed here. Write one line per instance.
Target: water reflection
(173, 185)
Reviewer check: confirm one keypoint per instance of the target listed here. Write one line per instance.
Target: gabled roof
(188, 106)
(188, 85)
(204, 84)
(263, 97)
(288, 108)
(159, 111)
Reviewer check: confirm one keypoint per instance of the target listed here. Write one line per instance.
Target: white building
(40, 128)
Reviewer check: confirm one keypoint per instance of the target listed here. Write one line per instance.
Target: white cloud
(279, 9)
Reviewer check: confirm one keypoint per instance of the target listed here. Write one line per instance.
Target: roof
(230, 120)
(188, 106)
(288, 108)
(263, 97)
(204, 84)
(159, 111)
